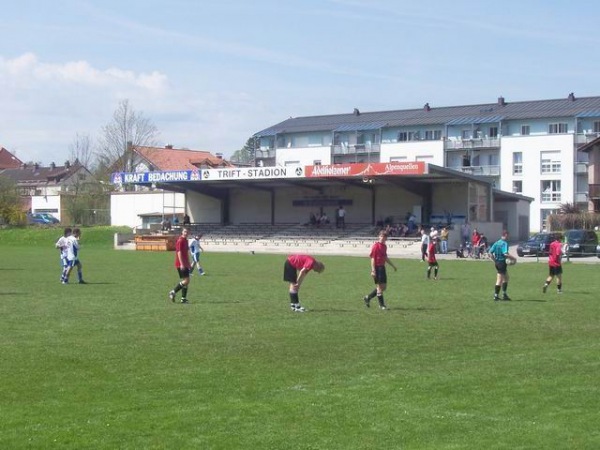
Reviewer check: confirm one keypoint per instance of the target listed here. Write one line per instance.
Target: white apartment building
(528, 147)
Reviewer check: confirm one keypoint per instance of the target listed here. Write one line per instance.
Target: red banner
(366, 169)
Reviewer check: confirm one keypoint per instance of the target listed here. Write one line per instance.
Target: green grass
(114, 364)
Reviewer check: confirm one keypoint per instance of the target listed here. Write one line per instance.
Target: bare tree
(127, 129)
(81, 150)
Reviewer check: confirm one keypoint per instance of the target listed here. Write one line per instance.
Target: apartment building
(531, 148)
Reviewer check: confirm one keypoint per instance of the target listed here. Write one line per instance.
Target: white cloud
(25, 70)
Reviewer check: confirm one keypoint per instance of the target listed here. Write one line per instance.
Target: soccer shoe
(202, 273)
(296, 307)
(559, 291)
(367, 301)
(172, 296)
(82, 282)
(506, 298)
(185, 301)
(496, 298)
(545, 288)
(383, 307)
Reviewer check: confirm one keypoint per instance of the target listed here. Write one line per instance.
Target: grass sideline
(114, 364)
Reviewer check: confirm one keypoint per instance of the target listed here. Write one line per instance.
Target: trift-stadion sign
(272, 173)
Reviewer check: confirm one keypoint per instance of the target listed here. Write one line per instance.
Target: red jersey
(555, 254)
(302, 262)
(431, 253)
(379, 253)
(182, 246)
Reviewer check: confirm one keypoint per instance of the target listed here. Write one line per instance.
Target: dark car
(538, 244)
(598, 250)
(580, 242)
(43, 218)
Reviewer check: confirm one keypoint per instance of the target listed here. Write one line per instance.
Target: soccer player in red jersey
(379, 258)
(295, 269)
(432, 260)
(554, 266)
(182, 264)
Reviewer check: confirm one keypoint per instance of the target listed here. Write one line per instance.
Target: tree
(127, 129)
(81, 150)
(245, 155)
(10, 203)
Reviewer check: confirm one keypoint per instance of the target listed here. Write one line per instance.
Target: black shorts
(501, 267)
(554, 271)
(380, 275)
(184, 272)
(290, 274)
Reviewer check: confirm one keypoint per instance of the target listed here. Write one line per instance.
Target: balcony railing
(265, 153)
(581, 197)
(488, 171)
(584, 138)
(459, 144)
(352, 149)
(581, 168)
(594, 191)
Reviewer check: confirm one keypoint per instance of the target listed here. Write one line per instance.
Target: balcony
(265, 153)
(585, 138)
(460, 144)
(581, 168)
(580, 197)
(355, 149)
(594, 191)
(485, 171)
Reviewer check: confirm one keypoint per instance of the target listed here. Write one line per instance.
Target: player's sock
(435, 272)
(504, 288)
(178, 287)
(79, 275)
(559, 287)
(372, 294)
(380, 300)
(184, 292)
(294, 297)
(496, 290)
(429, 272)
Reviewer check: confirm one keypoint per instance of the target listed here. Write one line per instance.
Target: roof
(590, 145)
(8, 160)
(447, 115)
(36, 174)
(167, 158)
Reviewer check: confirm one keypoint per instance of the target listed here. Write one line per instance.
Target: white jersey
(62, 245)
(72, 248)
(194, 245)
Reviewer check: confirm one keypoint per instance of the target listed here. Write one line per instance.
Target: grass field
(114, 364)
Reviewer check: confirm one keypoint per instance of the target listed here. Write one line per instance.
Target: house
(42, 187)
(531, 148)
(147, 205)
(8, 160)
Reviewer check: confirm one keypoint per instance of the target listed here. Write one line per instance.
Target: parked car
(598, 250)
(43, 218)
(580, 242)
(538, 244)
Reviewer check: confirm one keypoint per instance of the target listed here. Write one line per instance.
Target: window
(517, 187)
(525, 130)
(597, 126)
(317, 162)
(558, 128)
(551, 191)
(465, 134)
(414, 136)
(315, 140)
(433, 135)
(402, 136)
(493, 132)
(550, 162)
(545, 213)
(398, 158)
(517, 163)
(280, 142)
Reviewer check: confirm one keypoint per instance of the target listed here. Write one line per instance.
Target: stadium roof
(448, 115)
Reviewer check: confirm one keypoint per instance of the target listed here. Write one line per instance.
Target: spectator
(444, 240)
(186, 220)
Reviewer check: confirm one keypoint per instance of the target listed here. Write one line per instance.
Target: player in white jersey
(196, 249)
(61, 245)
(73, 256)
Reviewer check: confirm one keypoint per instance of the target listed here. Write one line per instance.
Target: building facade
(531, 148)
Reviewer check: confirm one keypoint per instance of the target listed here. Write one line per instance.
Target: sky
(209, 74)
